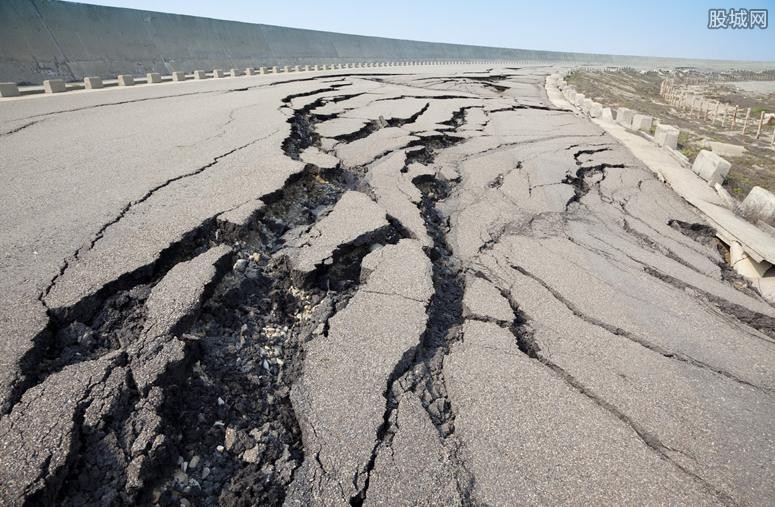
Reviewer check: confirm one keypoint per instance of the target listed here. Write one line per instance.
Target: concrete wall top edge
(45, 39)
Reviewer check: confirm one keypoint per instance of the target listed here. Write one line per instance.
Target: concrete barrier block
(153, 77)
(759, 204)
(285, 69)
(579, 99)
(595, 109)
(306, 68)
(586, 105)
(200, 74)
(92, 83)
(624, 116)
(250, 71)
(711, 167)
(218, 73)
(666, 135)
(295, 68)
(274, 70)
(642, 122)
(607, 114)
(262, 70)
(235, 73)
(9, 90)
(766, 286)
(178, 76)
(126, 80)
(54, 86)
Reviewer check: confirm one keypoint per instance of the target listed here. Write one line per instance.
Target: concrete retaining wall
(51, 39)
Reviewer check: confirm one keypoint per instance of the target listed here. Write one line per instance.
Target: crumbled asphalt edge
(763, 323)
(112, 313)
(701, 233)
(420, 369)
(112, 318)
(251, 334)
(706, 235)
(578, 179)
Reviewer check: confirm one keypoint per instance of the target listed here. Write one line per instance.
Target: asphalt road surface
(365, 288)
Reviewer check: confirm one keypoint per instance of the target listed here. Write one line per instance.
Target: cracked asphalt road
(426, 288)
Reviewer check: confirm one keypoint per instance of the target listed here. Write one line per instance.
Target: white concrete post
(745, 122)
(234, 73)
(92, 83)
(200, 74)
(218, 73)
(761, 122)
(178, 76)
(126, 80)
(54, 86)
(9, 90)
(153, 77)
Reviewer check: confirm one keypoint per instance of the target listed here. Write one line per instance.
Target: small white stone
(251, 455)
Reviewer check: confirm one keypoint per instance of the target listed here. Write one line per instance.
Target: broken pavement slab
(38, 434)
(416, 469)
(340, 397)
(318, 158)
(395, 191)
(354, 219)
(177, 297)
(365, 150)
(483, 300)
(546, 443)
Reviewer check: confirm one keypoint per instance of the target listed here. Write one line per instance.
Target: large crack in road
(453, 293)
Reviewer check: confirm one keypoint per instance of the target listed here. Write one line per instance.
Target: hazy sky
(646, 27)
